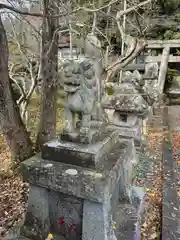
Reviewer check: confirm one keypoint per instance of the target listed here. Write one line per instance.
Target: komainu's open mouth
(71, 87)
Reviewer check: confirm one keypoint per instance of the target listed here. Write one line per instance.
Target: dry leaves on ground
(151, 225)
(176, 145)
(176, 156)
(12, 193)
(12, 202)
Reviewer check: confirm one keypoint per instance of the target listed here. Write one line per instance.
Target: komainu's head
(77, 75)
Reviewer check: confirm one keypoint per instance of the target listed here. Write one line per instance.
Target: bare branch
(122, 59)
(122, 13)
(94, 23)
(97, 29)
(30, 92)
(54, 36)
(119, 14)
(17, 42)
(96, 9)
(121, 63)
(12, 8)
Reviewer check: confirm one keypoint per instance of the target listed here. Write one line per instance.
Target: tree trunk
(11, 123)
(49, 69)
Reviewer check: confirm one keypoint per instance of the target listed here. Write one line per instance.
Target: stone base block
(97, 222)
(85, 155)
(64, 196)
(37, 222)
(91, 184)
(126, 219)
(92, 136)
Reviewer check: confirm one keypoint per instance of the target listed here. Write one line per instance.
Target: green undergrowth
(8, 165)
(34, 116)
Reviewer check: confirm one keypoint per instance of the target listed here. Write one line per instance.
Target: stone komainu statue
(80, 86)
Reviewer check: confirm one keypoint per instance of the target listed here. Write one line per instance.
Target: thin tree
(11, 123)
(48, 73)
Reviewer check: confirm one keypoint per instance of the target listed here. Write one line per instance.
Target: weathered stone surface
(91, 137)
(132, 77)
(80, 83)
(126, 219)
(37, 222)
(127, 106)
(68, 208)
(76, 181)
(85, 198)
(97, 222)
(86, 155)
(124, 120)
(126, 99)
(129, 216)
(151, 71)
(59, 205)
(151, 83)
(126, 180)
(98, 218)
(80, 93)
(121, 120)
(131, 131)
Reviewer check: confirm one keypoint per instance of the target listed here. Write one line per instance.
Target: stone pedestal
(86, 155)
(75, 199)
(37, 219)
